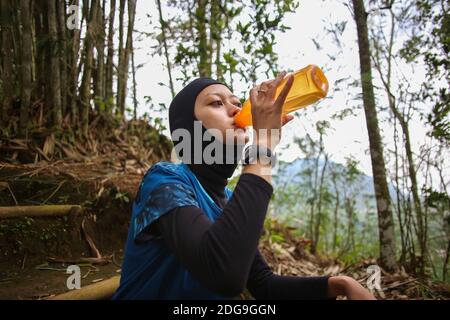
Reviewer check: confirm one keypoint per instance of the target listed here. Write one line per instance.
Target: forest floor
(106, 189)
(292, 257)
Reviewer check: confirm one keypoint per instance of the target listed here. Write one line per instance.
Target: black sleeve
(220, 254)
(220, 261)
(264, 284)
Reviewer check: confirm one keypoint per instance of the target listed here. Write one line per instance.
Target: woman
(190, 236)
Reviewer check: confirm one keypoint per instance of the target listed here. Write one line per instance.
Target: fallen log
(94, 261)
(39, 211)
(102, 290)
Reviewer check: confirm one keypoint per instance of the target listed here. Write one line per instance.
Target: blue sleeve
(162, 189)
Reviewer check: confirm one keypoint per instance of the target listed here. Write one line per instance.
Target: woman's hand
(349, 287)
(266, 110)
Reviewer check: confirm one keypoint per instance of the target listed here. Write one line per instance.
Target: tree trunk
(46, 62)
(216, 36)
(120, 76)
(6, 52)
(422, 233)
(110, 58)
(350, 210)
(62, 50)
(163, 25)
(385, 217)
(204, 65)
(314, 218)
(100, 46)
(319, 205)
(55, 80)
(39, 11)
(336, 210)
(133, 72)
(399, 211)
(73, 82)
(125, 62)
(38, 211)
(85, 91)
(25, 70)
(102, 290)
(312, 186)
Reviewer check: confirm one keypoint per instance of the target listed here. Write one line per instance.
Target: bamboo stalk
(98, 291)
(39, 211)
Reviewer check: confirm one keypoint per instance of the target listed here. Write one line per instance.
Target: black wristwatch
(252, 152)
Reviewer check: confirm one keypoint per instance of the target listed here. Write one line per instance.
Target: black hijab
(214, 177)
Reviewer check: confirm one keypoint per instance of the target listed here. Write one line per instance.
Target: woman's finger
(274, 84)
(253, 95)
(279, 78)
(284, 93)
(265, 86)
(286, 119)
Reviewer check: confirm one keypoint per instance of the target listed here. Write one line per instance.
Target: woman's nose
(234, 110)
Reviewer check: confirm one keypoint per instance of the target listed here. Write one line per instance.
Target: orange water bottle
(310, 85)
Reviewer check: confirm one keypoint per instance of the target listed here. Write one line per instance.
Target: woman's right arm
(267, 119)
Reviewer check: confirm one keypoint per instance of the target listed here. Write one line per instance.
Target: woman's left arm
(264, 284)
(349, 287)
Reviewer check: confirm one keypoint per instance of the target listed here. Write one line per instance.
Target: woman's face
(216, 107)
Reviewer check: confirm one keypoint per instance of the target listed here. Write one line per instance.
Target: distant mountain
(291, 173)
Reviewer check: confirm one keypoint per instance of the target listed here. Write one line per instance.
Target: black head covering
(181, 116)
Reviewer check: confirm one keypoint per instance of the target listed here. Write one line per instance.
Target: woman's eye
(238, 104)
(217, 103)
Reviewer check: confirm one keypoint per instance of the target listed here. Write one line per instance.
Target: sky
(296, 50)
